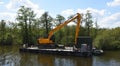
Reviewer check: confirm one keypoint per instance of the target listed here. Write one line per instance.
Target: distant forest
(27, 29)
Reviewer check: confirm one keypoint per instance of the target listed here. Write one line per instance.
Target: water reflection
(10, 56)
(50, 60)
(28, 59)
(110, 58)
(46, 60)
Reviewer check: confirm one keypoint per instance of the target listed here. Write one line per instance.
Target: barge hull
(57, 52)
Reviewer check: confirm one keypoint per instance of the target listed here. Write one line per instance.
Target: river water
(10, 56)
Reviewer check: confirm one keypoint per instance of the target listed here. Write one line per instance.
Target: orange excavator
(47, 42)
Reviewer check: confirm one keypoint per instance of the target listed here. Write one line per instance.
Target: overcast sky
(106, 12)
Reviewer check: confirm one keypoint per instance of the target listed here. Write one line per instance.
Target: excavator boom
(48, 41)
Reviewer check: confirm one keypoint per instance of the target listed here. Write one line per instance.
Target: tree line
(29, 28)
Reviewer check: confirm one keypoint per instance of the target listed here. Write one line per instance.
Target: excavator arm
(48, 41)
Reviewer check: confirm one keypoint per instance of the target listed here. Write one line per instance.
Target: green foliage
(88, 22)
(26, 18)
(60, 19)
(5, 36)
(46, 20)
(108, 39)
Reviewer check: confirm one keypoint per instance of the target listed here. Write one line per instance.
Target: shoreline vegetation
(28, 28)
